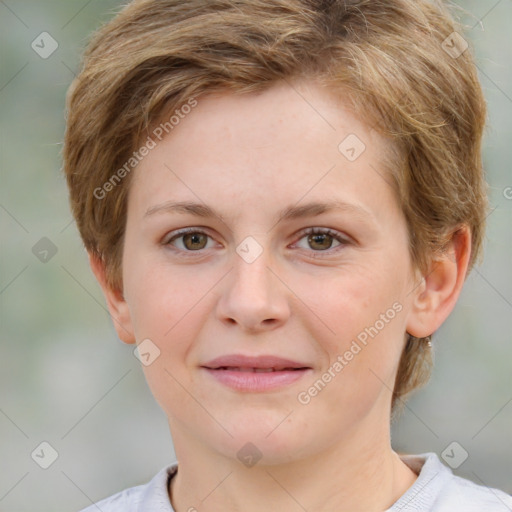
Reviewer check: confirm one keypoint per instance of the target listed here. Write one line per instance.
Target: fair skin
(248, 157)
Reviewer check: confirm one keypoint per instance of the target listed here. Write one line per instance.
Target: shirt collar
(156, 494)
(432, 476)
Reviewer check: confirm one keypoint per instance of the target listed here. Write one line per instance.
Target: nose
(253, 297)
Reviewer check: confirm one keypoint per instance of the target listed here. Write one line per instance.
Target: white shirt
(436, 489)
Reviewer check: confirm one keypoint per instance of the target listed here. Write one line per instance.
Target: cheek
(168, 312)
(158, 296)
(165, 311)
(358, 315)
(348, 300)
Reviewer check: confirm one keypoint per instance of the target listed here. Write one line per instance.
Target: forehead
(291, 141)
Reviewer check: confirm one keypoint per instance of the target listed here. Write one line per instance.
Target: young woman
(281, 201)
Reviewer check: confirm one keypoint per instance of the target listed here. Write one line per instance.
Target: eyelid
(340, 237)
(178, 233)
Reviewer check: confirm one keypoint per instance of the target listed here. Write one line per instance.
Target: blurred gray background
(66, 380)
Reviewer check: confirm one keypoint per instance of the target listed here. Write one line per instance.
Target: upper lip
(264, 361)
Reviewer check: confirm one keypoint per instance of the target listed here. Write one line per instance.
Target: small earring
(428, 339)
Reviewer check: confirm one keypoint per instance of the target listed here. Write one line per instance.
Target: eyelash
(308, 231)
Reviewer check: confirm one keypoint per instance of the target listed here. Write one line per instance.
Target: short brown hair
(400, 64)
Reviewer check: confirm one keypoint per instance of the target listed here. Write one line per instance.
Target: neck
(338, 480)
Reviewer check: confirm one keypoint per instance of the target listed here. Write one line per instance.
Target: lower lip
(255, 382)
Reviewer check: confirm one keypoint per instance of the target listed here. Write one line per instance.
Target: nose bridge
(251, 275)
(252, 297)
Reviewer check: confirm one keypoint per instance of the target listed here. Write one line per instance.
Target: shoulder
(150, 496)
(462, 494)
(126, 501)
(437, 489)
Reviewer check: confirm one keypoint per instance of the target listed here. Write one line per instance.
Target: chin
(265, 437)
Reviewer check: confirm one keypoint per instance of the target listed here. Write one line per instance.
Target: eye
(320, 239)
(193, 239)
(190, 240)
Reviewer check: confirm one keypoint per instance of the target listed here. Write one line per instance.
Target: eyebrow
(292, 212)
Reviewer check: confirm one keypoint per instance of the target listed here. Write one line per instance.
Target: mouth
(256, 370)
(264, 362)
(249, 374)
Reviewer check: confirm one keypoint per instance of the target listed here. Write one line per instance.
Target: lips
(254, 370)
(257, 364)
(256, 374)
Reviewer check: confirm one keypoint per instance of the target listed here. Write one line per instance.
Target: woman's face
(250, 279)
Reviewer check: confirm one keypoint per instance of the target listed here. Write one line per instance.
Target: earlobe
(436, 296)
(116, 303)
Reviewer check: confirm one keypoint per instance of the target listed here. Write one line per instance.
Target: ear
(436, 296)
(117, 305)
